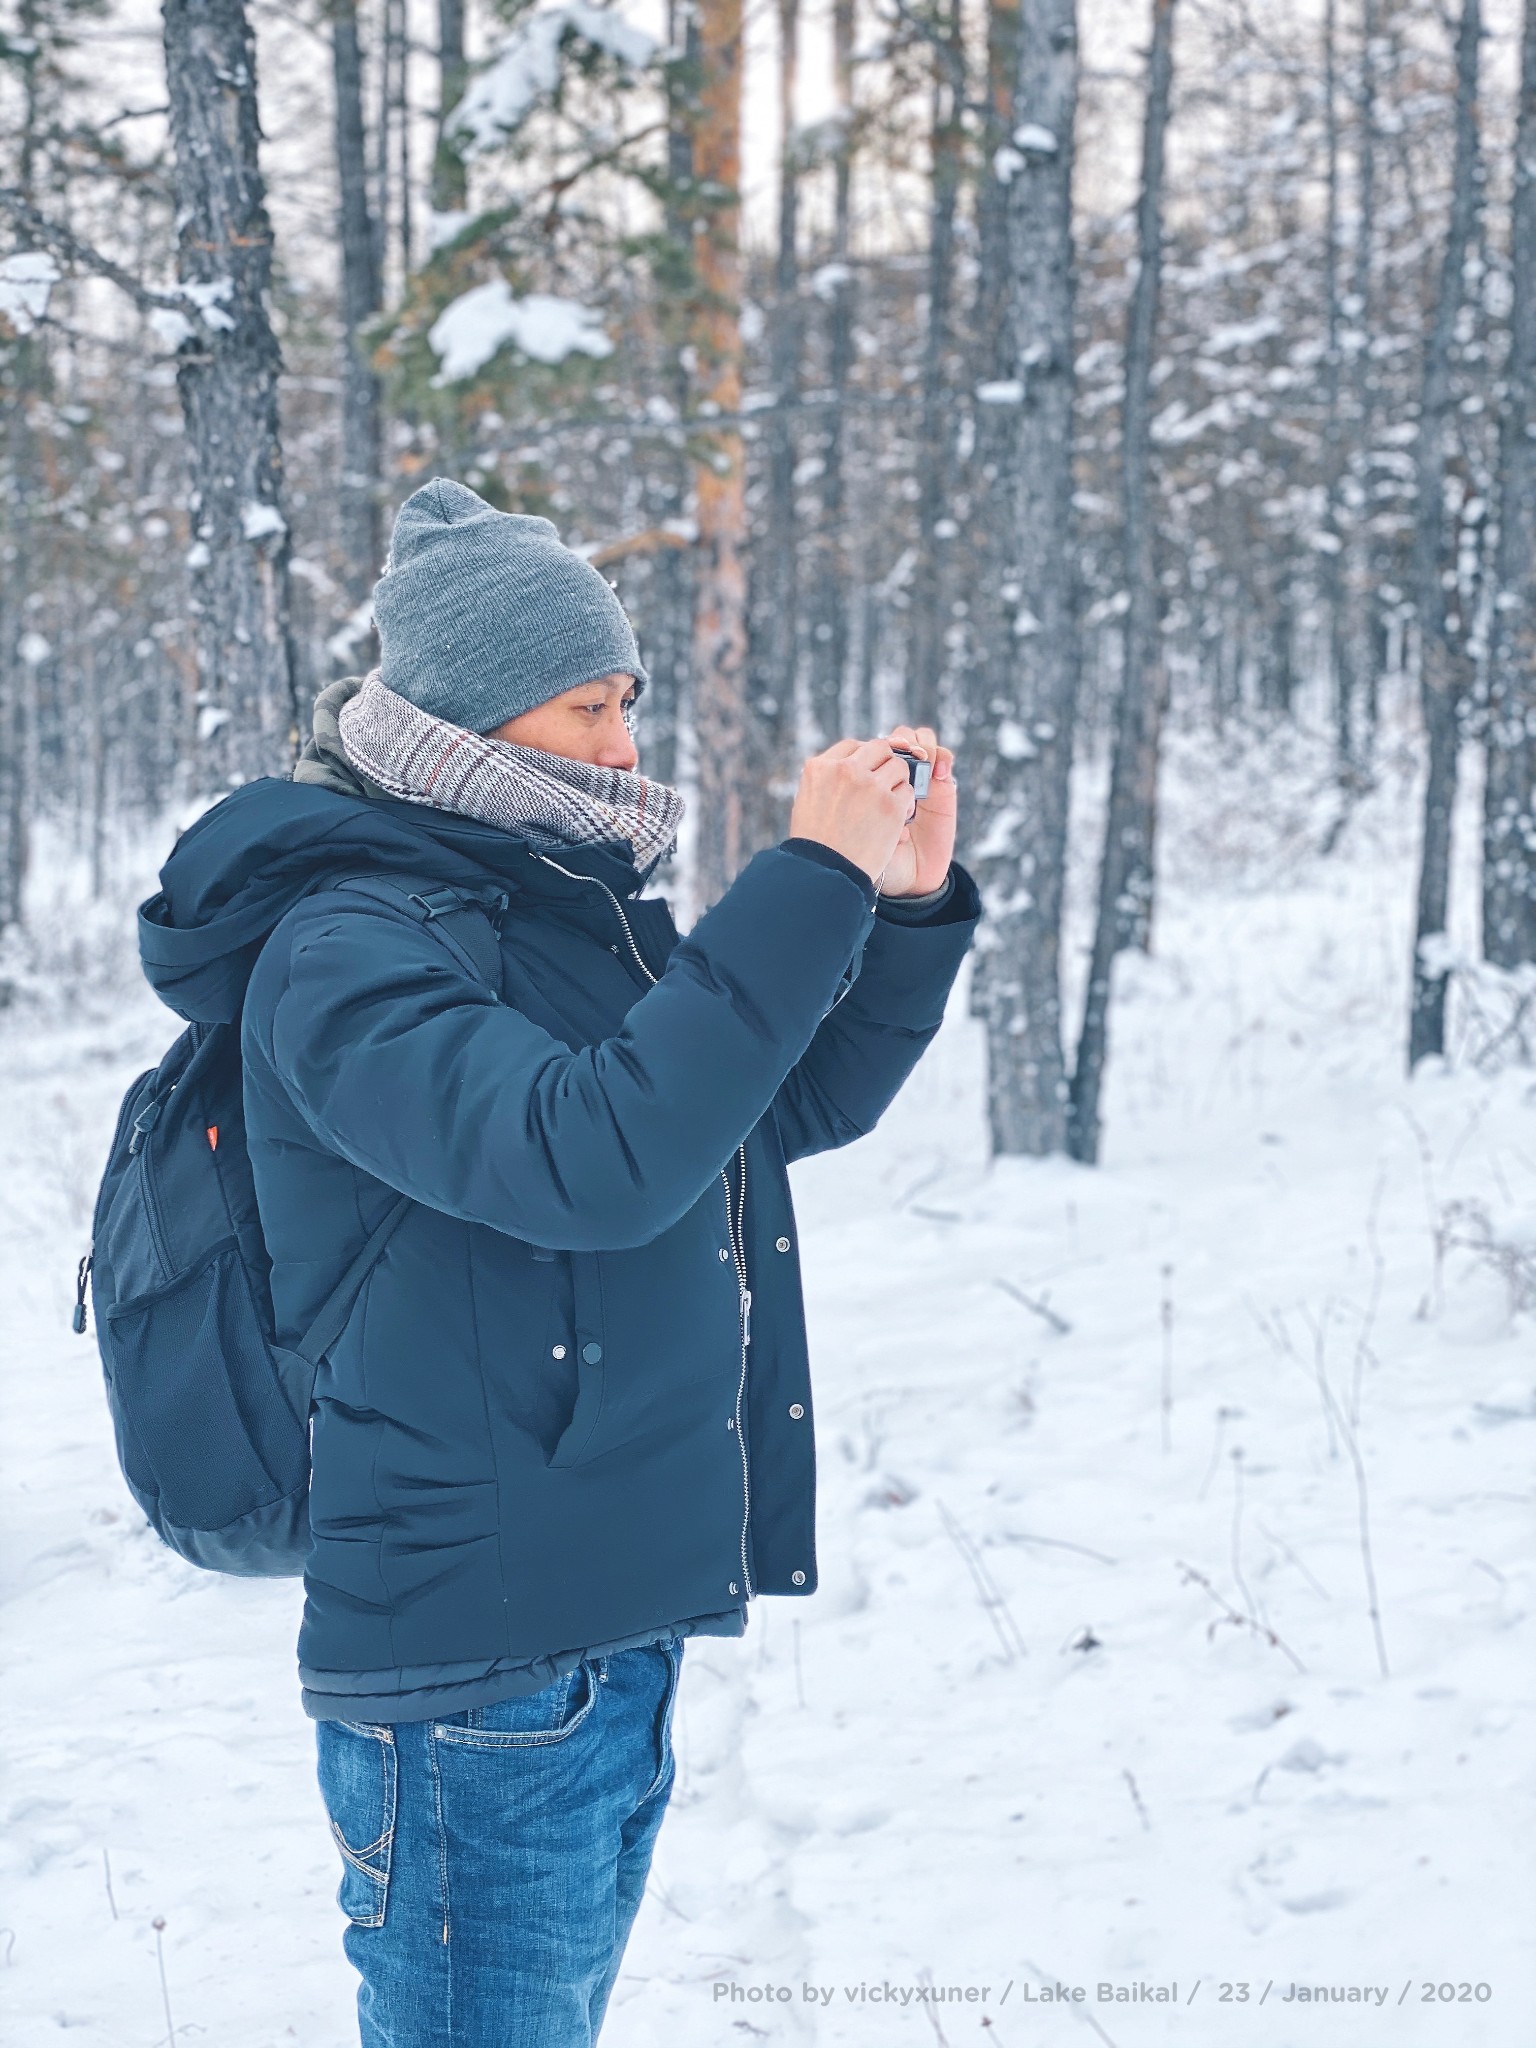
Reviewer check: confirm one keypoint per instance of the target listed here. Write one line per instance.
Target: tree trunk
(935, 523)
(994, 213)
(360, 299)
(668, 614)
(1509, 814)
(99, 679)
(770, 789)
(828, 610)
(1340, 650)
(990, 477)
(228, 389)
(1124, 915)
(1360, 579)
(383, 139)
(400, 42)
(450, 180)
(13, 785)
(1282, 645)
(1029, 645)
(20, 378)
(1437, 664)
(719, 628)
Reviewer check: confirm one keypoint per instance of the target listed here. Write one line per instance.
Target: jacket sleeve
(869, 1043)
(411, 1070)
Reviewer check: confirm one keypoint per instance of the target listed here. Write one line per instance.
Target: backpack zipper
(87, 1265)
(733, 1231)
(143, 1124)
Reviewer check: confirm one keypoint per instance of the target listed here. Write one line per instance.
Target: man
(568, 1424)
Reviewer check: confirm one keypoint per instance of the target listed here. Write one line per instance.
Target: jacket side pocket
(591, 1339)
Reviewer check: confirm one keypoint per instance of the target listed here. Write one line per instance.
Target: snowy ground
(1091, 1693)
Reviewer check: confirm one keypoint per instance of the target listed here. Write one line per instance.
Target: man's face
(584, 724)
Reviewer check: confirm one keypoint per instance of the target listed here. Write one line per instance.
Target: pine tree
(1124, 914)
(1026, 681)
(227, 379)
(1439, 679)
(1509, 827)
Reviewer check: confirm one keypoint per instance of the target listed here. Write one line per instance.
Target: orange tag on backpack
(213, 1137)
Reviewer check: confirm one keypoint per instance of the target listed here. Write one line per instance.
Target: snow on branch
(527, 67)
(467, 333)
(70, 249)
(184, 312)
(26, 279)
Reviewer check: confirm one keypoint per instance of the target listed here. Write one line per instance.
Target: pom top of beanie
(485, 614)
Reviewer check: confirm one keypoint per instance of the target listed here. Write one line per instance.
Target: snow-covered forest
(1143, 395)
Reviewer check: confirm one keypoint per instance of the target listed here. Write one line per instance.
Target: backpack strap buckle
(466, 920)
(437, 902)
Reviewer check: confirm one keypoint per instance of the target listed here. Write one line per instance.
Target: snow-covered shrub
(1493, 1014)
(1500, 1240)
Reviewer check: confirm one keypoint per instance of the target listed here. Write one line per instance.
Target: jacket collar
(246, 861)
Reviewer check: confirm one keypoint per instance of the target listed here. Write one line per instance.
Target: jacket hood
(324, 759)
(240, 868)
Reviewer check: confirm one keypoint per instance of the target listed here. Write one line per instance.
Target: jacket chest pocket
(585, 1335)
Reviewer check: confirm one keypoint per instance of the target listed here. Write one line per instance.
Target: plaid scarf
(525, 790)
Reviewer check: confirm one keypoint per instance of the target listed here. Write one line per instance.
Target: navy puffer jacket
(542, 1427)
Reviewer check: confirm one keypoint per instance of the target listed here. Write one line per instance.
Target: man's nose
(618, 749)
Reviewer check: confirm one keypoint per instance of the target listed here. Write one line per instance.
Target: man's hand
(927, 844)
(855, 797)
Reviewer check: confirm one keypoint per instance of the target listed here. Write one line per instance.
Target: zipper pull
(82, 1275)
(143, 1124)
(746, 1317)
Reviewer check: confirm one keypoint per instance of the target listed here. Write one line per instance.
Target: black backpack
(210, 1412)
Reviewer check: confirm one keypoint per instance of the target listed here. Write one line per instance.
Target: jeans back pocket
(359, 1777)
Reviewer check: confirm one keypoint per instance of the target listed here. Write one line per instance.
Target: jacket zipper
(738, 1248)
(733, 1230)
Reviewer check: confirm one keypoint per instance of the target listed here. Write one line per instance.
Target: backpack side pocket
(200, 1449)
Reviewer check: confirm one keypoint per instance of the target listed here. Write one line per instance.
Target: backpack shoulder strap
(465, 920)
(331, 1318)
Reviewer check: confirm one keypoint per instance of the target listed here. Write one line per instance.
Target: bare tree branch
(47, 234)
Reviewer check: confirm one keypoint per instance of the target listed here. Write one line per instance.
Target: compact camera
(919, 771)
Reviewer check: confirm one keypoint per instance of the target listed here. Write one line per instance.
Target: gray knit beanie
(484, 614)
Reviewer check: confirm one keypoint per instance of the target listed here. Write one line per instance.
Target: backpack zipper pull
(82, 1275)
(143, 1124)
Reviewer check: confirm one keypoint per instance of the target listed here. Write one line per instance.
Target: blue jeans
(493, 1861)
